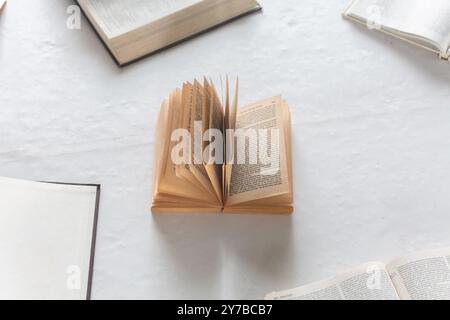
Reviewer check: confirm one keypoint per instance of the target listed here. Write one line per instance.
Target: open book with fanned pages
(423, 23)
(133, 29)
(238, 160)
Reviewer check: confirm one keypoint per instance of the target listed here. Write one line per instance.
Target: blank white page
(46, 233)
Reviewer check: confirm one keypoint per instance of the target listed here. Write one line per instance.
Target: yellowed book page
(234, 106)
(160, 144)
(288, 140)
(169, 182)
(206, 108)
(251, 179)
(196, 130)
(367, 282)
(268, 210)
(279, 204)
(194, 175)
(422, 276)
(230, 118)
(215, 122)
(185, 103)
(204, 209)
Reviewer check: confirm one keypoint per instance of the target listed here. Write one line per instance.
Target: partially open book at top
(210, 156)
(421, 22)
(131, 29)
(420, 276)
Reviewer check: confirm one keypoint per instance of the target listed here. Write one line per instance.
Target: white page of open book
(355, 284)
(116, 17)
(423, 275)
(45, 239)
(428, 19)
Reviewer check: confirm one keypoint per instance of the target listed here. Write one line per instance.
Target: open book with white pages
(133, 29)
(419, 276)
(420, 22)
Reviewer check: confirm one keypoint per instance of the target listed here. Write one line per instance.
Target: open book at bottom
(419, 276)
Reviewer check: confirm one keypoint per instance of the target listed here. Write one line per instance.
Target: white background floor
(371, 146)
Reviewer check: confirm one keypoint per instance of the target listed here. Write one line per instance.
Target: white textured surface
(371, 146)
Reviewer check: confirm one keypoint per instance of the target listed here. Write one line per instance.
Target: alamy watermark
(240, 146)
(73, 21)
(374, 13)
(73, 281)
(374, 279)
